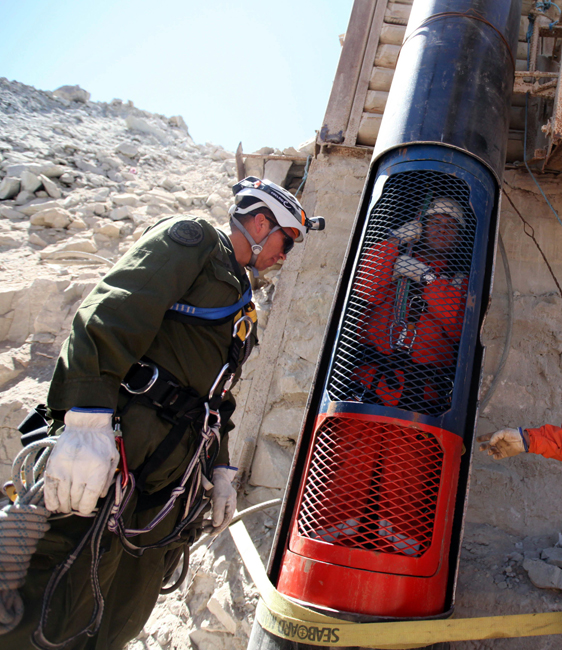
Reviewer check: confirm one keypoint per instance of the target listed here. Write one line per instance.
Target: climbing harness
(24, 522)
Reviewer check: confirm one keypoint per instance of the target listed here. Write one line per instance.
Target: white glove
(409, 267)
(504, 443)
(223, 498)
(408, 232)
(82, 464)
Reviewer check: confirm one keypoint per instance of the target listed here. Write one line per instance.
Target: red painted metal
(371, 530)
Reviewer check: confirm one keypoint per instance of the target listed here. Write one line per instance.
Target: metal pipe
(372, 520)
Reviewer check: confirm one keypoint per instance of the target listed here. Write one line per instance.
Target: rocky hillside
(79, 182)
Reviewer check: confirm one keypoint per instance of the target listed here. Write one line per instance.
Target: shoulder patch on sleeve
(186, 233)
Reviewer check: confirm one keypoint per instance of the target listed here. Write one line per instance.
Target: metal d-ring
(239, 322)
(149, 384)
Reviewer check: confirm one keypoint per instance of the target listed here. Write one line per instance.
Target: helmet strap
(255, 247)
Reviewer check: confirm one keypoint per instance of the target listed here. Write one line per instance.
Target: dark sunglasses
(288, 241)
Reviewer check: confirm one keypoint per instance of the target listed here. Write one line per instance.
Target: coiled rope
(22, 524)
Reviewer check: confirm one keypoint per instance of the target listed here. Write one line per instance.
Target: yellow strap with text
(289, 620)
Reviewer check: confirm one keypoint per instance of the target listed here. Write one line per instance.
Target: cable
(507, 343)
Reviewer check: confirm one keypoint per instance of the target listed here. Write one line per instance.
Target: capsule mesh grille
(372, 486)
(398, 344)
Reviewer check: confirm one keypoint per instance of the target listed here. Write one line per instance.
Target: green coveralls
(178, 260)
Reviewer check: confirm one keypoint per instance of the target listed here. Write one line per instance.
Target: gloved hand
(408, 232)
(504, 443)
(409, 267)
(83, 462)
(223, 498)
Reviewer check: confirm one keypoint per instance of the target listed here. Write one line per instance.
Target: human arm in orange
(546, 441)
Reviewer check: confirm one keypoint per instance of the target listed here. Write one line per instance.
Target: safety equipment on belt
(288, 212)
(82, 464)
(447, 206)
(223, 497)
(409, 267)
(504, 443)
(408, 232)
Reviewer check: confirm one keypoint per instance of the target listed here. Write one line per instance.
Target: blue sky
(259, 72)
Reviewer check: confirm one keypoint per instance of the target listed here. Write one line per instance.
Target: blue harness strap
(212, 313)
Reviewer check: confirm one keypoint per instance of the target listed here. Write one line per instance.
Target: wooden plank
(348, 73)
(381, 78)
(369, 129)
(392, 34)
(397, 14)
(387, 56)
(376, 101)
(365, 75)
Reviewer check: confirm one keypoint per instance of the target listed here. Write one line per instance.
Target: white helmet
(450, 207)
(288, 212)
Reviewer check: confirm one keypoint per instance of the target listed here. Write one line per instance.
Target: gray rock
(37, 205)
(552, 556)
(543, 575)
(67, 178)
(138, 124)
(50, 187)
(30, 181)
(178, 122)
(128, 149)
(125, 199)
(122, 212)
(24, 197)
(51, 217)
(9, 187)
(72, 94)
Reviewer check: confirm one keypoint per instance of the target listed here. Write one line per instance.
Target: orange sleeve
(375, 271)
(546, 441)
(446, 304)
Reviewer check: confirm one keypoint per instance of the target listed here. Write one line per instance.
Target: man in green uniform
(146, 351)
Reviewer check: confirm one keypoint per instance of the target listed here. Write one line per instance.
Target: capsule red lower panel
(372, 527)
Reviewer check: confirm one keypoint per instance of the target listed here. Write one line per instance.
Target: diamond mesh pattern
(372, 486)
(398, 344)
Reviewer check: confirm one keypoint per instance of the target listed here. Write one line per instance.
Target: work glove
(223, 498)
(408, 232)
(409, 267)
(82, 464)
(504, 443)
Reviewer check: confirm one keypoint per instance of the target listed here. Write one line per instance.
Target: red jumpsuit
(546, 441)
(437, 329)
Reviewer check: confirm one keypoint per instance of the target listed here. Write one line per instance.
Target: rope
(305, 175)
(22, 525)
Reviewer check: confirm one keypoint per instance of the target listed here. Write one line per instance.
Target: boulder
(178, 122)
(552, 556)
(220, 605)
(138, 124)
(111, 230)
(72, 94)
(122, 212)
(52, 218)
(29, 181)
(9, 187)
(125, 199)
(543, 575)
(79, 245)
(50, 187)
(128, 149)
(37, 205)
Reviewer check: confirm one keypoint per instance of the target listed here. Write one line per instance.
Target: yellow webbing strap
(288, 620)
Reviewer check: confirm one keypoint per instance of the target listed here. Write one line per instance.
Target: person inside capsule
(415, 296)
